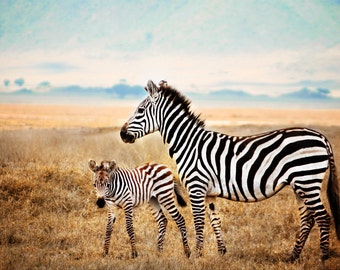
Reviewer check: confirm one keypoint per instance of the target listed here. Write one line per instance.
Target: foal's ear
(112, 165)
(152, 89)
(92, 165)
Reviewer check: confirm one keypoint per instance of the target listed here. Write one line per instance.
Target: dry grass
(25, 116)
(49, 218)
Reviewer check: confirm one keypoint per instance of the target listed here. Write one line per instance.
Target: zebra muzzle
(125, 135)
(100, 202)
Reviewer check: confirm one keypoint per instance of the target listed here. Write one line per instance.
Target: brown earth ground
(48, 216)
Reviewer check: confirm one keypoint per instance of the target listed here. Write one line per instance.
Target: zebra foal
(240, 168)
(129, 188)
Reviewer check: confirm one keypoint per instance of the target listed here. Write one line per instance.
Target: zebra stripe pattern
(246, 169)
(129, 188)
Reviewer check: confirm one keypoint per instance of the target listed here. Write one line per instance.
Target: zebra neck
(178, 131)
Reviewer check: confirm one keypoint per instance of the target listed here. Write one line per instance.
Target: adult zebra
(129, 188)
(246, 169)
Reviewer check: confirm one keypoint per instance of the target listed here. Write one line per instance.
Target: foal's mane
(178, 98)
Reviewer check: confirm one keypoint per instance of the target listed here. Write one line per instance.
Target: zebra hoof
(199, 253)
(325, 257)
(293, 258)
(222, 251)
(134, 254)
(105, 252)
(187, 252)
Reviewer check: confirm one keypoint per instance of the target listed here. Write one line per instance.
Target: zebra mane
(178, 98)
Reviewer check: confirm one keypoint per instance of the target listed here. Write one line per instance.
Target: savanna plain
(48, 215)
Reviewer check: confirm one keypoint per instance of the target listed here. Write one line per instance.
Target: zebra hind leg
(311, 197)
(161, 222)
(215, 222)
(323, 219)
(306, 224)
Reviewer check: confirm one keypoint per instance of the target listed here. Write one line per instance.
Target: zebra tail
(333, 192)
(179, 195)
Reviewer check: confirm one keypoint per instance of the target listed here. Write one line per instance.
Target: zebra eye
(140, 110)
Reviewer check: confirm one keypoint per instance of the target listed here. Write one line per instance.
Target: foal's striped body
(129, 188)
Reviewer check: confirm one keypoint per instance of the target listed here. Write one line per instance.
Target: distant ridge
(126, 92)
(305, 93)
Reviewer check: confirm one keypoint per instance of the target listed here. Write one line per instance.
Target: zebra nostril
(101, 202)
(126, 137)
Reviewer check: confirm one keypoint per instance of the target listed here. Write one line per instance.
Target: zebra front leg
(110, 221)
(129, 227)
(215, 222)
(180, 222)
(198, 210)
(161, 222)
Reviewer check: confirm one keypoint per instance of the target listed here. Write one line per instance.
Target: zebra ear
(152, 89)
(163, 83)
(92, 165)
(112, 165)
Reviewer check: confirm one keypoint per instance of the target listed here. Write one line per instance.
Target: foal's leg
(306, 224)
(110, 221)
(215, 222)
(161, 222)
(129, 227)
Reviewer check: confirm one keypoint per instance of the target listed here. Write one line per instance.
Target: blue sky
(262, 47)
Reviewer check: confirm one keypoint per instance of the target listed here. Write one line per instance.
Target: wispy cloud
(55, 67)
